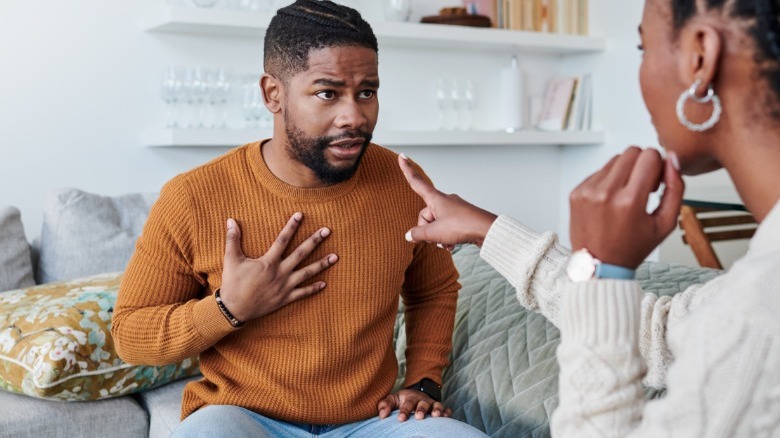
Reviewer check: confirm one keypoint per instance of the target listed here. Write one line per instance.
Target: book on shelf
(580, 105)
(567, 104)
(564, 16)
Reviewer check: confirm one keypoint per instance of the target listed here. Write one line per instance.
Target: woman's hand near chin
(609, 209)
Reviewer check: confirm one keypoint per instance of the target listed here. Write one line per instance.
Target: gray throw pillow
(86, 234)
(15, 263)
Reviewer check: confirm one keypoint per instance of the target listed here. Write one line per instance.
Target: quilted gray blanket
(503, 376)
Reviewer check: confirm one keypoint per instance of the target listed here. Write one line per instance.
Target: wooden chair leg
(695, 237)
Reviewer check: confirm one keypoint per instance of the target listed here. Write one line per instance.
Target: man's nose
(351, 115)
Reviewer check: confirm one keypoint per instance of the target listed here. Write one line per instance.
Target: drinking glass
(171, 92)
(445, 104)
(397, 10)
(457, 103)
(469, 102)
(222, 89)
(199, 90)
(253, 105)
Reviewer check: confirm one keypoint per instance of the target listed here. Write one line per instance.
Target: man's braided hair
(308, 25)
(760, 19)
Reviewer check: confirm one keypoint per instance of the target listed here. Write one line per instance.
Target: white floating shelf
(191, 20)
(178, 138)
(487, 138)
(236, 137)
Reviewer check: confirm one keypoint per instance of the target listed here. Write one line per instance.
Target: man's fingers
(302, 292)
(422, 408)
(387, 405)
(285, 236)
(437, 410)
(299, 276)
(233, 241)
(304, 249)
(417, 183)
(406, 410)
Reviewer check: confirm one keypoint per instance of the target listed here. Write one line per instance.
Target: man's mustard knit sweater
(326, 359)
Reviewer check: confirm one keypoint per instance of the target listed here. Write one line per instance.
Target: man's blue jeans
(236, 422)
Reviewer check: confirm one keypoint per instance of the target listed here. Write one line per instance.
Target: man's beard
(310, 151)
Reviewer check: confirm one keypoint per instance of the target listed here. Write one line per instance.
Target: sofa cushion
(55, 342)
(85, 234)
(15, 263)
(503, 378)
(164, 407)
(25, 417)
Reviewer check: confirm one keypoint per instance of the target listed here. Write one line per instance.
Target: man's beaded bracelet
(231, 319)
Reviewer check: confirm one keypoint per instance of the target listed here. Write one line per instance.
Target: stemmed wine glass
(171, 92)
(444, 101)
(221, 92)
(469, 102)
(253, 106)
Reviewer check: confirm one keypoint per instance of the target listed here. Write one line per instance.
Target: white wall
(619, 106)
(79, 85)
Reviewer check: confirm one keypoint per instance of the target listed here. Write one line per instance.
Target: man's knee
(430, 427)
(217, 420)
(441, 427)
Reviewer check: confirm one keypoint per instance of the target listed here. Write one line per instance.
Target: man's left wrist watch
(429, 387)
(582, 266)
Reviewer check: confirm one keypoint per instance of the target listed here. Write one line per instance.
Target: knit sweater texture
(715, 347)
(325, 359)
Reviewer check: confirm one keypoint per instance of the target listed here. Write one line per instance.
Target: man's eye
(367, 94)
(326, 95)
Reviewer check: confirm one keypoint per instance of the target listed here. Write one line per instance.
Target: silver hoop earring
(690, 93)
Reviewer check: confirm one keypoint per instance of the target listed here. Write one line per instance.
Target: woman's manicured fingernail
(675, 161)
(333, 258)
(230, 223)
(439, 245)
(403, 155)
(409, 236)
(325, 232)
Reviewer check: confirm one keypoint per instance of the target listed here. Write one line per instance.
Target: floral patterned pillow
(55, 343)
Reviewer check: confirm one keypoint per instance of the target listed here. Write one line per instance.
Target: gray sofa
(502, 378)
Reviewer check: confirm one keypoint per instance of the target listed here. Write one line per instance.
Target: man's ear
(273, 91)
(701, 48)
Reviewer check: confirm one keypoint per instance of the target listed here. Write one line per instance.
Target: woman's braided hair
(309, 25)
(763, 21)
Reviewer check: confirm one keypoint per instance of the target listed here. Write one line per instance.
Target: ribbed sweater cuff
(209, 321)
(601, 311)
(513, 249)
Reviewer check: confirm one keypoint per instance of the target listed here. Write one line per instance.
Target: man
(294, 329)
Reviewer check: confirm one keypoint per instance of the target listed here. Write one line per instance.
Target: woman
(710, 78)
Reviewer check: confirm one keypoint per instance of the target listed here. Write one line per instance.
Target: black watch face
(430, 387)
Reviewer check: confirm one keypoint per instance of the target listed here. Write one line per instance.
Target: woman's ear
(701, 46)
(272, 90)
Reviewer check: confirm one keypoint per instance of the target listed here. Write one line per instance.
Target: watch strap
(605, 270)
(428, 387)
